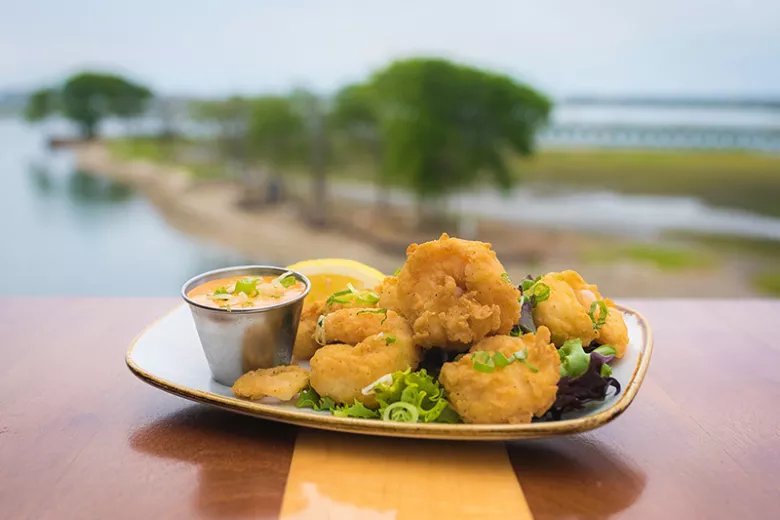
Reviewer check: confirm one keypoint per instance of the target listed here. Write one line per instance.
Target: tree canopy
(276, 131)
(444, 124)
(88, 98)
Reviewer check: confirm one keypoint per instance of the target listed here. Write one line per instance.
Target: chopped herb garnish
(390, 340)
(401, 411)
(505, 277)
(351, 294)
(287, 281)
(500, 360)
(220, 290)
(335, 297)
(397, 272)
(483, 362)
(247, 286)
(371, 311)
(601, 319)
(541, 292)
(528, 283)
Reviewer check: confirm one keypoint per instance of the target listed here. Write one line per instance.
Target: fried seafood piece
(454, 293)
(351, 326)
(379, 344)
(305, 344)
(565, 312)
(388, 293)
(282, 382)
(512, 394)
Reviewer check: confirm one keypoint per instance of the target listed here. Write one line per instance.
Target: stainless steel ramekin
(241, 340)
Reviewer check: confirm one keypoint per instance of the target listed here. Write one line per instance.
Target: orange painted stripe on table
(344, 477)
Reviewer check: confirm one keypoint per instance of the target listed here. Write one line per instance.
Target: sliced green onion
(601, 319)
(483, 362)
(606, 370)
(528, 283)
(367, 297)
(371, 311)
(220, 290)
(216, 296)
(606, 350)
(505, 277)
(531, 367)
(390, 340)
(500, 360)
(397, 272)
(521, 355)
(334, 298)
(319, 331)
(401, 411)
(247, 286)
(541, 292)
(287, 281)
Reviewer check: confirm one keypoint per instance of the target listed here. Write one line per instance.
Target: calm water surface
(66, 233)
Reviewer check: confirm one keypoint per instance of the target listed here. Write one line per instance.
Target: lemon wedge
(328, 275)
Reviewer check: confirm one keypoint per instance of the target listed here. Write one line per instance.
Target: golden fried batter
(305, 344)
(453, 293)
(512, 394)
(383, 344)
(565, 312)
(282, 382)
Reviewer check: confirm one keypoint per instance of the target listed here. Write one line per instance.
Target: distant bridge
(662, 136)
(702, 102)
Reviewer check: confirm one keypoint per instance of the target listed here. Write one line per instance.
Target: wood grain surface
(80, 437)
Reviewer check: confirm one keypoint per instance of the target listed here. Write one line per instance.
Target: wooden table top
(81, 437)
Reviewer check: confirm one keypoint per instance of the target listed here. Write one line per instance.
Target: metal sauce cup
(241, 340)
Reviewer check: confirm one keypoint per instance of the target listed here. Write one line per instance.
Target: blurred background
(637, 142)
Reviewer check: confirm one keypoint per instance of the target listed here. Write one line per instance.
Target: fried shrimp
(282, 382)
(566, 312)
(305, 344)
(512, 394)
(454, 292)
(362, 346)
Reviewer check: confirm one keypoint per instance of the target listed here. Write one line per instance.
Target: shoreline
(208, 210)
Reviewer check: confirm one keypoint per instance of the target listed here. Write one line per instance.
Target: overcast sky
(659, 47)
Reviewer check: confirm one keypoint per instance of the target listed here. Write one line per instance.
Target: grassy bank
(734, 179)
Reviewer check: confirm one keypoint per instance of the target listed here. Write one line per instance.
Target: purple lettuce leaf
(575, 393)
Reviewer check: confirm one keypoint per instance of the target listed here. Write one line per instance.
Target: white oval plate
(168, 355)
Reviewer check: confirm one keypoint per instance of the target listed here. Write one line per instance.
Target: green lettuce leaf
(309, 398)
(357, 409)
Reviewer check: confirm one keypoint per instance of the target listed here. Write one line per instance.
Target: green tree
(314, 112)
(230, 118)
(88, 98)
(445, 125)
(355, 116)
(276, 132)
(41, 104)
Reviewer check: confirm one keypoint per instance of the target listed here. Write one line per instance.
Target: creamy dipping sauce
(247, 292)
